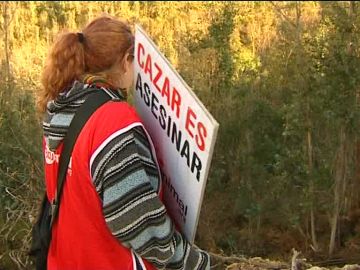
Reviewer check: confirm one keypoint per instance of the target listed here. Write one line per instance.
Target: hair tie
(81, 37)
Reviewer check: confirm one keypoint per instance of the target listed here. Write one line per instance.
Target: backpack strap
(92, 102)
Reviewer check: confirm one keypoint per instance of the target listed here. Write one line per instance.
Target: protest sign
(182, 130)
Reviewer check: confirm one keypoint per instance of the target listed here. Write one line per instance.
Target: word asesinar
(196, 129)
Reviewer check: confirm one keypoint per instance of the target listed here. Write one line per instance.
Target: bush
(20, 175)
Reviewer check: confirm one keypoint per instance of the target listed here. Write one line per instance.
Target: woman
(111, 215)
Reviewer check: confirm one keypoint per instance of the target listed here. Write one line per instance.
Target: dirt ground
(257, 263)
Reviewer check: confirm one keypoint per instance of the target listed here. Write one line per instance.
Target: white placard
(182, 130)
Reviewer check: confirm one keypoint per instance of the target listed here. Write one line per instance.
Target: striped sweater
(127, 179)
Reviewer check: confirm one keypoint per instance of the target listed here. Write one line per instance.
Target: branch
(226, 259)
(294, 260)
(298, 264)
(257, 262)
(278, 10)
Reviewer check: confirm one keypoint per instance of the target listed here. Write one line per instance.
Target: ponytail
(65, 64)
(102, 43)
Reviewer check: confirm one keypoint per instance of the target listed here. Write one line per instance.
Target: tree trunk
(340, 171)
(313, 232)
(4, 96)
(6, 42)
(355, 190)
(315, 244)
(342, 157)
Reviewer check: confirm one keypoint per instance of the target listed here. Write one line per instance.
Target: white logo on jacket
(69, 171)
(50, 156)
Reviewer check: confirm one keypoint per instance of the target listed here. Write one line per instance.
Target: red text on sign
(200, 132)
(164, 86)
(156, 75)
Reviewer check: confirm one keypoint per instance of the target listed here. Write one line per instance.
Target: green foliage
(20, 175)
(281, 78)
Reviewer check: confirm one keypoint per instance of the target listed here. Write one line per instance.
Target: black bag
(41, 231)
(41, 235)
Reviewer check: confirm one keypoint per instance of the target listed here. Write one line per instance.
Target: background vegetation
(281, 78)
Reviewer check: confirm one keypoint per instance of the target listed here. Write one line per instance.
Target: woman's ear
(127, 62)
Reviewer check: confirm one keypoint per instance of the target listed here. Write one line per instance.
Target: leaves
(281, 78)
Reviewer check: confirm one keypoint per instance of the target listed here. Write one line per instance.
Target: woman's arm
(127, 179)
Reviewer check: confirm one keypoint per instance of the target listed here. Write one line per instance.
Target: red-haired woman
(111, 215)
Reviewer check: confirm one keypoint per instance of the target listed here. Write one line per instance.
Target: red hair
(105, 41)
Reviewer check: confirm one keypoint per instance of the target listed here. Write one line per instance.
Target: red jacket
(81, 239)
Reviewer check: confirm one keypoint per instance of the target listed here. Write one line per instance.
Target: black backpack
(41, 231)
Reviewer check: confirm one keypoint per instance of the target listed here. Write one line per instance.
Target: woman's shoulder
(117, 111)
(111, 119)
